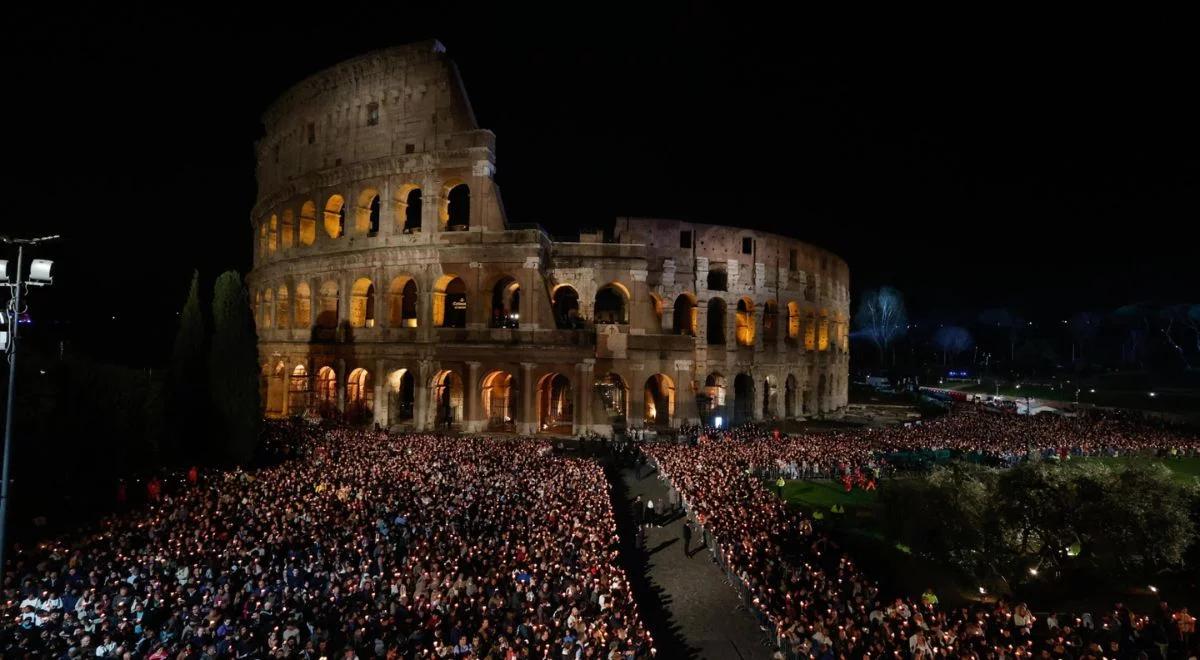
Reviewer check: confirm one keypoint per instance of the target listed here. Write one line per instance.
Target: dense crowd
(817, 600)
(361, 545)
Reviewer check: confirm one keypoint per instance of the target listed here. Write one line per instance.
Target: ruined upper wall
(396, 102)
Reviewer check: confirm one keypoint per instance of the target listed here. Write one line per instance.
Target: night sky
(1054, 172)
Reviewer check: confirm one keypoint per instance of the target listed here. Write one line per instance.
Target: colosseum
(390, 287)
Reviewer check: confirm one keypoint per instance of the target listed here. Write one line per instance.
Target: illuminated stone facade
(389, 286)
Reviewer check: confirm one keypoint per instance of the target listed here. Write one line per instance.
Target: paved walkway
(689, 594)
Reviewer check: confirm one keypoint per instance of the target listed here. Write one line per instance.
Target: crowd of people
(819, 603)
(361, 544)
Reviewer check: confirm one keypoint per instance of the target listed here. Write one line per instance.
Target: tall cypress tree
(187, 383)
(233, 371)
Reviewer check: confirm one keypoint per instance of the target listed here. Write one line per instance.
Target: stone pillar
(532, 293)
(759, 386)
(387, 211)
(667, 327)
(381, 393)
(422, 396)
(479, 299)
(686, 411)
(527, 422)
(636, 415)
(582, 396)
(641, 319)
(431, 198)
(731, 326)
(473, 420)
(425, 330)
(340, 368)
(702, 322)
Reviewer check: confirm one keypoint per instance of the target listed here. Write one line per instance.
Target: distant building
(390, 287)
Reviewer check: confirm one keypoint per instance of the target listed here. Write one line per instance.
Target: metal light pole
(39, 275)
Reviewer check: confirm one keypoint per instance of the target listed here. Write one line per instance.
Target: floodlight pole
(14, 323)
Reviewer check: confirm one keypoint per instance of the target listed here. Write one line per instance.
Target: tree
(233, 371)
(952, 340)
(882, 318)
(187, 391)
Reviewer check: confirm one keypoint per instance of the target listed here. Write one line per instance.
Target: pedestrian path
(702, 606)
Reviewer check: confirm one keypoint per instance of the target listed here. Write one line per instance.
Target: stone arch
(308, 223)
(450, 302)
(403, 302)
(656, 311)
(335, 216)
(326, 387)
(769, 396)
(282, 311)
(791, 394)
(327, 311)
(716, 322)
(659, 401)
(298, 389)
(360, 396)
(366, 215)
(810, 332)
(303, 306)
(716, 395)
(287, 229)
(612, 304)
(686, 315)
(272, 234)
(267, 310)
(555, 409)
(614, 396)
(447, 388)
(496, 390)
(276, 402)
(823, 332)
(401, 392)
(564, 302)
(362, 303)
(743, 398)
(770, 322)
(744, 329)
(793, 326)
(455, 211)
(506, 303)
(262, 239)
(408, 208)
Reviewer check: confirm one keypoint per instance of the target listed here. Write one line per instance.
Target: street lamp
(39, 275)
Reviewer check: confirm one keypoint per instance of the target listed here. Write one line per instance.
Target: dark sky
(1054, 170)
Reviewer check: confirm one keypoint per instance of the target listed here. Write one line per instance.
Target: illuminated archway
(366, 216)
(745, 322)
(612, 303)
(402, 302)
(793, 327)
(308, 223)
(506, 303)
(303, 306)
(715, 394)
(743, 399)
(823, 332)
(447, 398)
(408, 208)
(360, 396)
(282, 313)
(496, 395)
(565, 304)
(335, 216)
(716, 322)
(362, 304)
(450, 302)
(273, 234)
(327, 392)
(686, 315)
(298, 390)
(276, 403)
(555, 408)
(401, 396)
(287, 229)
(267, 311)
(770, 322)
(455, 214)
(659, 401)
(614, 395)
(810, 332)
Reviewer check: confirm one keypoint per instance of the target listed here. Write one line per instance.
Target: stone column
(582, 396)
(702, 322)
(686, 411)
(479, 299)
(473, 420)
(636, 415)
(641, 320)
(425, 330)
(431, 197)
(422, 396)
(381, 393)
(340, 368)
(532, 293)
(731, 326)
(527, 422)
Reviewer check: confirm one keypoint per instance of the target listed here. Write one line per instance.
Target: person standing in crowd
(687, 538)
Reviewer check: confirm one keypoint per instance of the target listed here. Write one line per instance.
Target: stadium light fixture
(39, 272)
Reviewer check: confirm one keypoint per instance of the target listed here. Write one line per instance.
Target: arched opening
(327, 392)
(360, 397)
(308, 223)
(335, 216)
(327, 312)
(656, 310)
(298, 390)
(262, 240)
(287, 230)
(362, 304)
(716, 322)
(447, 399)
(506, 304)
(273, 234)
(457, 214)
(496, 394)
(277, 392)
(555, 409)
(411, 204)
(366, 216)
(611, 304)
(768, 398)
(790, 397)
(770, 322)
(745, 322)
(282, 313)
(714, 399)
(823, 332)
(686, 315)
(743, 399)
(267, 310)
(450, 302)
(614, 396)
(810, 332)
(718, 280)
(303, 306)
(565, 303)
(659, 401)
(793, 330)
(402, 302)
(401, 396)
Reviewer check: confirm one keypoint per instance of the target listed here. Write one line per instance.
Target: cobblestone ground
(699, 606)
